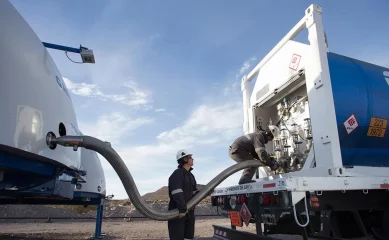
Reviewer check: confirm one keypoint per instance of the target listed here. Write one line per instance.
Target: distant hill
(162, 194)
(159, 196)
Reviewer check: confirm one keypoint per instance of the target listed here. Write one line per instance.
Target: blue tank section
(361, 89)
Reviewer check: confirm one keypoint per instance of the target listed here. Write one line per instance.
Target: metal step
(224, 233)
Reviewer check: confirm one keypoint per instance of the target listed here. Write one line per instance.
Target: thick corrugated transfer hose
(128, 182)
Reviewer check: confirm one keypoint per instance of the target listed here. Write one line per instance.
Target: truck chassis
(344, 207)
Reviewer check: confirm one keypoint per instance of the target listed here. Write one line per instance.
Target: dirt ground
(113, 229)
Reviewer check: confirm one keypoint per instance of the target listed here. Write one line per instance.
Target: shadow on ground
(27, 237)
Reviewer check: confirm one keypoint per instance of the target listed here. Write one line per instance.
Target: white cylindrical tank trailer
(33, 97)
(34, 100)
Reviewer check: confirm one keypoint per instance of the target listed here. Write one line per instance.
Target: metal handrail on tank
(105, 149)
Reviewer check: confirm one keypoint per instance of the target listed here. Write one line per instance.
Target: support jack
(99, 221)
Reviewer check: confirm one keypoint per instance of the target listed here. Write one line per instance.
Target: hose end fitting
(67, 141)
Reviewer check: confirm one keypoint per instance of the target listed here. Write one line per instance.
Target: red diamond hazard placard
(294, 62)
(351, 124)
(245, 214)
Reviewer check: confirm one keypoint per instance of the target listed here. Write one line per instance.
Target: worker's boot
(244, 181)
(247, 176)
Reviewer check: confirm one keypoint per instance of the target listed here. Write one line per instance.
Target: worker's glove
(182, 215)
(274, 164)
(271, 155)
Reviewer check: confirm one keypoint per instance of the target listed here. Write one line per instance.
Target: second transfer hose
(128, 182)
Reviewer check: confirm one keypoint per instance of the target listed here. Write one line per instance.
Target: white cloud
(134, 96)
(111, 127)
(246, 65)
(82, 89)
(170, 114)
(211, 126)
(163, 111)
(234, 87)
(207, 125)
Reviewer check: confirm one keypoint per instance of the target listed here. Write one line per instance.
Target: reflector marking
(269, 185)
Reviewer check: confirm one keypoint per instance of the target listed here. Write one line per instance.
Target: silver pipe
(125, 176)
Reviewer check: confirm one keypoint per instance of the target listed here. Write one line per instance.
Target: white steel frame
(325, 151)
(298, 186)
(307, 184)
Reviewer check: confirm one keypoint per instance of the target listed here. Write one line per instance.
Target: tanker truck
(329, 114)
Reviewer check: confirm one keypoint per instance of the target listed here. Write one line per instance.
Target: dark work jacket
(182, 187)
(254, 143)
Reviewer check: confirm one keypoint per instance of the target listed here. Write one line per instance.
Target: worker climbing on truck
(252, 146)
(182, 187)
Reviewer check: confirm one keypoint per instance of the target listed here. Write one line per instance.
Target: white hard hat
(183, 153)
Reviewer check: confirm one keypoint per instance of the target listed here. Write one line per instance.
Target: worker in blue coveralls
(182, 187)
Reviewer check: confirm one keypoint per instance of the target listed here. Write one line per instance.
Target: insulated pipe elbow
(128, 182)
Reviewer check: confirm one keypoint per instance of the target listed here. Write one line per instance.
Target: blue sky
(167, 73)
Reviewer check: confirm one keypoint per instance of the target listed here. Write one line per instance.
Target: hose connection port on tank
(62, 129)
(51, 140)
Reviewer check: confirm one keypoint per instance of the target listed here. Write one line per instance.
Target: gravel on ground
(113, 229)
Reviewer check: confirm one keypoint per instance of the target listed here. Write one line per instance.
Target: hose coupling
(67, 141)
